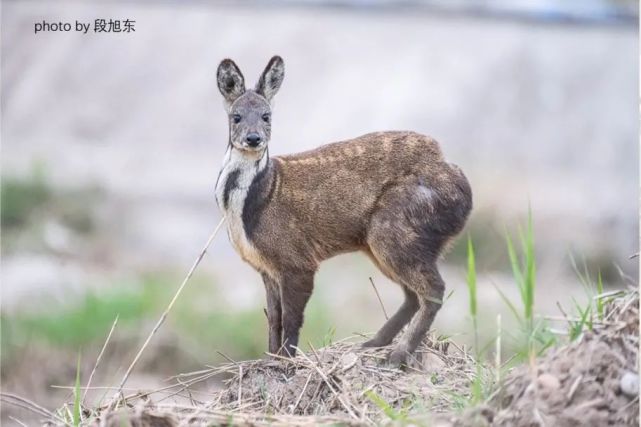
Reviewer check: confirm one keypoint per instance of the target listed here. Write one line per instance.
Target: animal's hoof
(372, 343)
(397, 358)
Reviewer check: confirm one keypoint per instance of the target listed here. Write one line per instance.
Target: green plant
(387, 409)
(476, 386)
(535, 336)
(328, 339)
(600, 304)
(459, 401)
(576, 327)
(524, 271)
(594, 307)
(471, 287)
(76, 396)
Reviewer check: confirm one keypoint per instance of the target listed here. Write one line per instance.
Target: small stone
(348, 361)
(548, 382)
(442, 423)
(433, 363)
(630, 384)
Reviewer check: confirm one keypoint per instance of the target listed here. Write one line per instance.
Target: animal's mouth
(252, 148)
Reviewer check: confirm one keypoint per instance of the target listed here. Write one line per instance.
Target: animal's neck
(236, 176)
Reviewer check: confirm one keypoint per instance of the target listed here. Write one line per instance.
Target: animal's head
(249, 110)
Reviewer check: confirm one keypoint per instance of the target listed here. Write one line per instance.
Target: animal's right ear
(231, 82)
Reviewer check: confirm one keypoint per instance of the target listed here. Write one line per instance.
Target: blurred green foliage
(29, 201)
(200, 319)
(82, 322)
(21, 197)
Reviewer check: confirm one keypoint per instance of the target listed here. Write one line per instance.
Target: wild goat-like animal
(391, 195)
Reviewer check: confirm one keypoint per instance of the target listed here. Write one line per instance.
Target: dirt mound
(341, 383)
(346, 380)
(591, 382)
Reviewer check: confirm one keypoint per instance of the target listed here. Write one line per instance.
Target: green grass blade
(509, 304)
(383, 405)
(514, 263)
(471, 277)
(599, 301)
(530, 274)
(584, 279)
(477, 387)
(472, 291)
(77, 397)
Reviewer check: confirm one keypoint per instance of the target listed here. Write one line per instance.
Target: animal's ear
(272, 78)
(231, 82)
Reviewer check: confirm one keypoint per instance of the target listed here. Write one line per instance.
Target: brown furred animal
(391, 195)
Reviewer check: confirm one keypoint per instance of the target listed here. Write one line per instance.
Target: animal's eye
(266, 117)
(236, 118)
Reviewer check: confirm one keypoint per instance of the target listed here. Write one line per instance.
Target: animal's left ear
(272, 78)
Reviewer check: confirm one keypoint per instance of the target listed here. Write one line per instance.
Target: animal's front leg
(274, 314)
(296, 288)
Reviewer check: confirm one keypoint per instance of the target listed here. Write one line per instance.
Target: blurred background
(111, 144)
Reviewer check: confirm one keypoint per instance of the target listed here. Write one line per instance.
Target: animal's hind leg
(395, 323)
(406, 236)
(430, 296)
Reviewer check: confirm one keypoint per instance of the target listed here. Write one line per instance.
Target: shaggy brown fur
(389, 194)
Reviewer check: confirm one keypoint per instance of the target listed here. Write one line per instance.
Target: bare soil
(591, 382)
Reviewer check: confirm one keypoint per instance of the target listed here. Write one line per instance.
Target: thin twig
(95, 367)
(240, 385)
(167, 310)
(314, 351)
(18, 421)
(329, 384)
(227, 357)
(379, 298)
(497, 359)
(574, 387)
(574, 319)
(309, 377)
(23, 406)
(29, 405)
(185, 386)
(26, 401)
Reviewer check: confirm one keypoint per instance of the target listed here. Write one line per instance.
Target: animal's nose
(253, 139)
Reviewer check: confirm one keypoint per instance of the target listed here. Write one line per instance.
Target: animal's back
(337, 187)
(380, 155)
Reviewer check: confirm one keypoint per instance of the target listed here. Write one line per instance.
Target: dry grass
(341, 383)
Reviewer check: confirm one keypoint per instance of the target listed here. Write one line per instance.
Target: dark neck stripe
(258, 196)
(230, 184)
